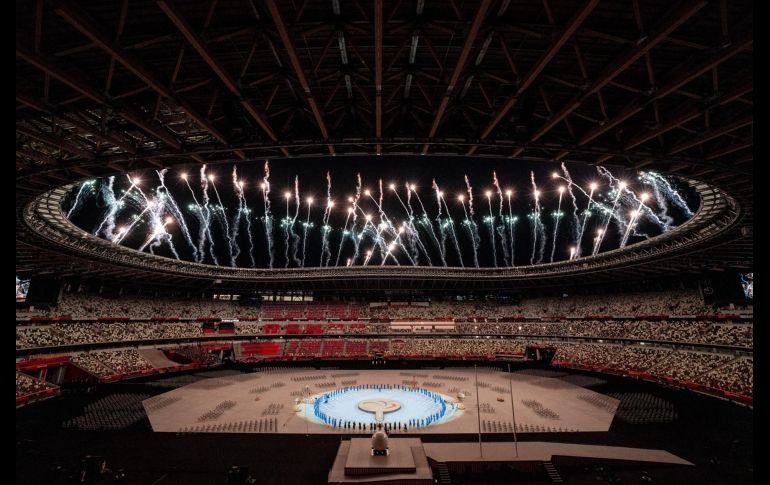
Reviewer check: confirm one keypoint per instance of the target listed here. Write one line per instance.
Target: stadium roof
(112, 86)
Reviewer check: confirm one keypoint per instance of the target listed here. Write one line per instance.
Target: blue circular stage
(387, 403)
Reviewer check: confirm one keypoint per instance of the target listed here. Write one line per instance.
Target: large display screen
(747, 282)
(22, 288)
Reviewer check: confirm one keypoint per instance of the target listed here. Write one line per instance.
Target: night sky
(420, 171)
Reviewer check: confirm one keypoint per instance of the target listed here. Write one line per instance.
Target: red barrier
(216, 345)
(739, 397)
(41, 362)
(727, 316)
(41, 320)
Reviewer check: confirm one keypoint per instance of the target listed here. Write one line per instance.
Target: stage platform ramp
(409, 459)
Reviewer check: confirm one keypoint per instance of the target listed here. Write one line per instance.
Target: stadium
(384, 242)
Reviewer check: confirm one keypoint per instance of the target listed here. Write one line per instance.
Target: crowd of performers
(345, 424)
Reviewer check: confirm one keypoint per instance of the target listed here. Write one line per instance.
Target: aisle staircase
(443, 474)
(553, 473)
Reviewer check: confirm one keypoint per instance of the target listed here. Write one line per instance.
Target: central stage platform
(278, 401)
(405, 464)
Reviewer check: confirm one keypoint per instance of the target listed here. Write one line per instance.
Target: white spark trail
(557, 215)
(207, 212)
(173, 207)
(78, 201)
(268, 214)
(501, 228)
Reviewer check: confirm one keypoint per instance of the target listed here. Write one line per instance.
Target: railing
(379, 335)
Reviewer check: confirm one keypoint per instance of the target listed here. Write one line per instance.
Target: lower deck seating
(263, 350)
(356, 348)
(333, 348)
(110, 362)
(27, 386)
